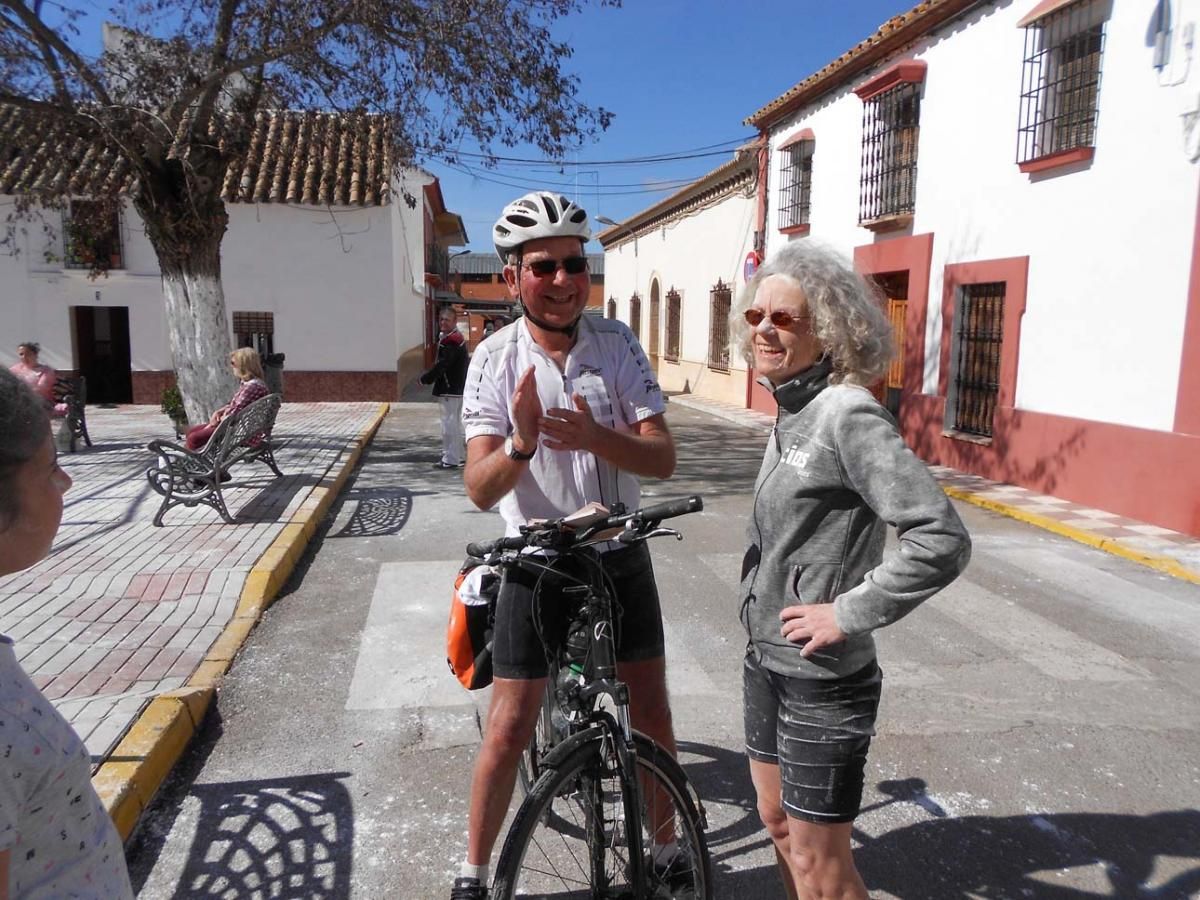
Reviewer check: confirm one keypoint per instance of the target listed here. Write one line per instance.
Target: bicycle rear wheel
(571, 837)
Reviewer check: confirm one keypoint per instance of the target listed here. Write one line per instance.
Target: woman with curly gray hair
(56, 838)
(815, 582)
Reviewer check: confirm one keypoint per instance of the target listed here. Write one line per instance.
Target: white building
(672, 272)
(323, 261)
(1020, 177)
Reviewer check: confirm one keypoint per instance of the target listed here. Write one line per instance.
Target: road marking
(402, 653)
(1034, 639)
(401, 660)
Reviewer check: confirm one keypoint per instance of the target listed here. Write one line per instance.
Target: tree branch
(220, 55)
(305, 39)
(43, 34)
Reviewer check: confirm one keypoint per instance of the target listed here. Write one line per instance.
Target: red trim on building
(1055, 160)
(1014, 272)
(1151, 476)
(804, 134)
(909, 71)
(796, 229)
(913, 255)
(1187, 397)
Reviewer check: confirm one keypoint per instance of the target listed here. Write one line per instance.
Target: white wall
(690, 254)
(327, 277)
(1110, 244)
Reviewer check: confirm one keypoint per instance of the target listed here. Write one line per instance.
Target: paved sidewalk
(1160, 548)
(122, 612)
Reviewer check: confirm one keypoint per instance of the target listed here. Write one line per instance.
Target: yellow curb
(1164, 564)
(128, 780)
(133, 772)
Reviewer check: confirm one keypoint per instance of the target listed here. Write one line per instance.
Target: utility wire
(694, 153)
(665, 183)
(670, 186)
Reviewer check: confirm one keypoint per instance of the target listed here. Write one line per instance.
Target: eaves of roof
(310, 158)
(893, 35)
(720, 180)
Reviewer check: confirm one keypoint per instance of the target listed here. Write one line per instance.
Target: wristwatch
(514, 453)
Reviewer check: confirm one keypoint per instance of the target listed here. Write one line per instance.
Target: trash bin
(273, 372)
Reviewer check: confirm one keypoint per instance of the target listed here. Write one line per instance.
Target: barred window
(254, 329)
(612, 307)
(888, 178)
(978, 336)
(635, 315)
(92, 235)
(1060, 80)
(795, 189)
(673, 313)
(719, 303)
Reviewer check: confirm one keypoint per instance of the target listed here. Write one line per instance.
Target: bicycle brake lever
(632, 537)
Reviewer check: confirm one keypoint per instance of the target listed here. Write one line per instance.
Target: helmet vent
(551, 212)
(580, 216)
(522, 221)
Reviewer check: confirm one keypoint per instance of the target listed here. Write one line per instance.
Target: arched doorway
(655, 304)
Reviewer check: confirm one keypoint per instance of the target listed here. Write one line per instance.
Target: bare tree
(177, 93)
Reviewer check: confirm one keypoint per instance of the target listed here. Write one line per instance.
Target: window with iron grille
(719, 302)
(1060, 81)
(888, 178)
(92, 235)
(673, 312)
(977, 341)
(254, 329)
(795, 183)
(635, 316)
(612, 307)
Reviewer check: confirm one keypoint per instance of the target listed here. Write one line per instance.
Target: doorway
(102, 352)
(895, 290)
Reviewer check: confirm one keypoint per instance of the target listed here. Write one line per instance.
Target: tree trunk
(185, 221)
(197, 327)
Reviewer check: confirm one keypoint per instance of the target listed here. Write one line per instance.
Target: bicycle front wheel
(574, 835)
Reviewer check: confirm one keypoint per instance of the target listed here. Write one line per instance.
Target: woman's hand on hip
(812, 624)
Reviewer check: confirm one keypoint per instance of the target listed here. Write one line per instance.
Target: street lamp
(605, 220)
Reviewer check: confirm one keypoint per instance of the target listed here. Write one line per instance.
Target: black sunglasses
(779, 318)
(572, 265)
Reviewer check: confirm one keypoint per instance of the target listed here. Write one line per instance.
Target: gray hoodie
(835, 471)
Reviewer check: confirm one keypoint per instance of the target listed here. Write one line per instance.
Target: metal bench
(71, 391)
(189, 478)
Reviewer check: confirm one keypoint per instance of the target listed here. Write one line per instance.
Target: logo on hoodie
(796, 457)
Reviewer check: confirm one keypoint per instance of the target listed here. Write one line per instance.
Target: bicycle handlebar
(555, 533)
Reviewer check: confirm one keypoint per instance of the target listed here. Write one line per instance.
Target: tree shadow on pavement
(377, 512)
(714, 459)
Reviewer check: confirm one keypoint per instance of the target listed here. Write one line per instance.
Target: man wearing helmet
(559, 410)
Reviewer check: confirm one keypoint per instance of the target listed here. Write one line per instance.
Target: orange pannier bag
(469, 631)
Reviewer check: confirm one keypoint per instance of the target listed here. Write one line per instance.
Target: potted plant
(172, 405)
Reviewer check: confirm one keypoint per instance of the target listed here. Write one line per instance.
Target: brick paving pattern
(1120, 530)
(121, 611)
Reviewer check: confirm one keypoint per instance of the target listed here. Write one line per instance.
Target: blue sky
(678, 75)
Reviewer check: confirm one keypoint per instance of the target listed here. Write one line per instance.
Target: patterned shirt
(247, 393)
(61, 841)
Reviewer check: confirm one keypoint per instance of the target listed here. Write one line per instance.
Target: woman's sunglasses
(572, 265)
(779, 318)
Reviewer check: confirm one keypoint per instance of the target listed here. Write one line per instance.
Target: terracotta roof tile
(293, 157)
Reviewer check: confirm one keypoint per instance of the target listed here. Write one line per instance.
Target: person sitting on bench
(248, 368)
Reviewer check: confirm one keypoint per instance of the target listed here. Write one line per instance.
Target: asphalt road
(1038, 736)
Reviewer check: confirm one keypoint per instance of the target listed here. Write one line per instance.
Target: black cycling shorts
(817, 731)
(519, 652)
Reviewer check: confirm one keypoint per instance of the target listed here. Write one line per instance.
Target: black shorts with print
(518, 650)
(817, 731)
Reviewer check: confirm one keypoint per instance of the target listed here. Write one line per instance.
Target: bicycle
(609, 813)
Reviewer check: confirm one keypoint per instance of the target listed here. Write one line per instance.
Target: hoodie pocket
(814, 582)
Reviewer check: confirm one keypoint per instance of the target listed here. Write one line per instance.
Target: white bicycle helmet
(539, 214)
